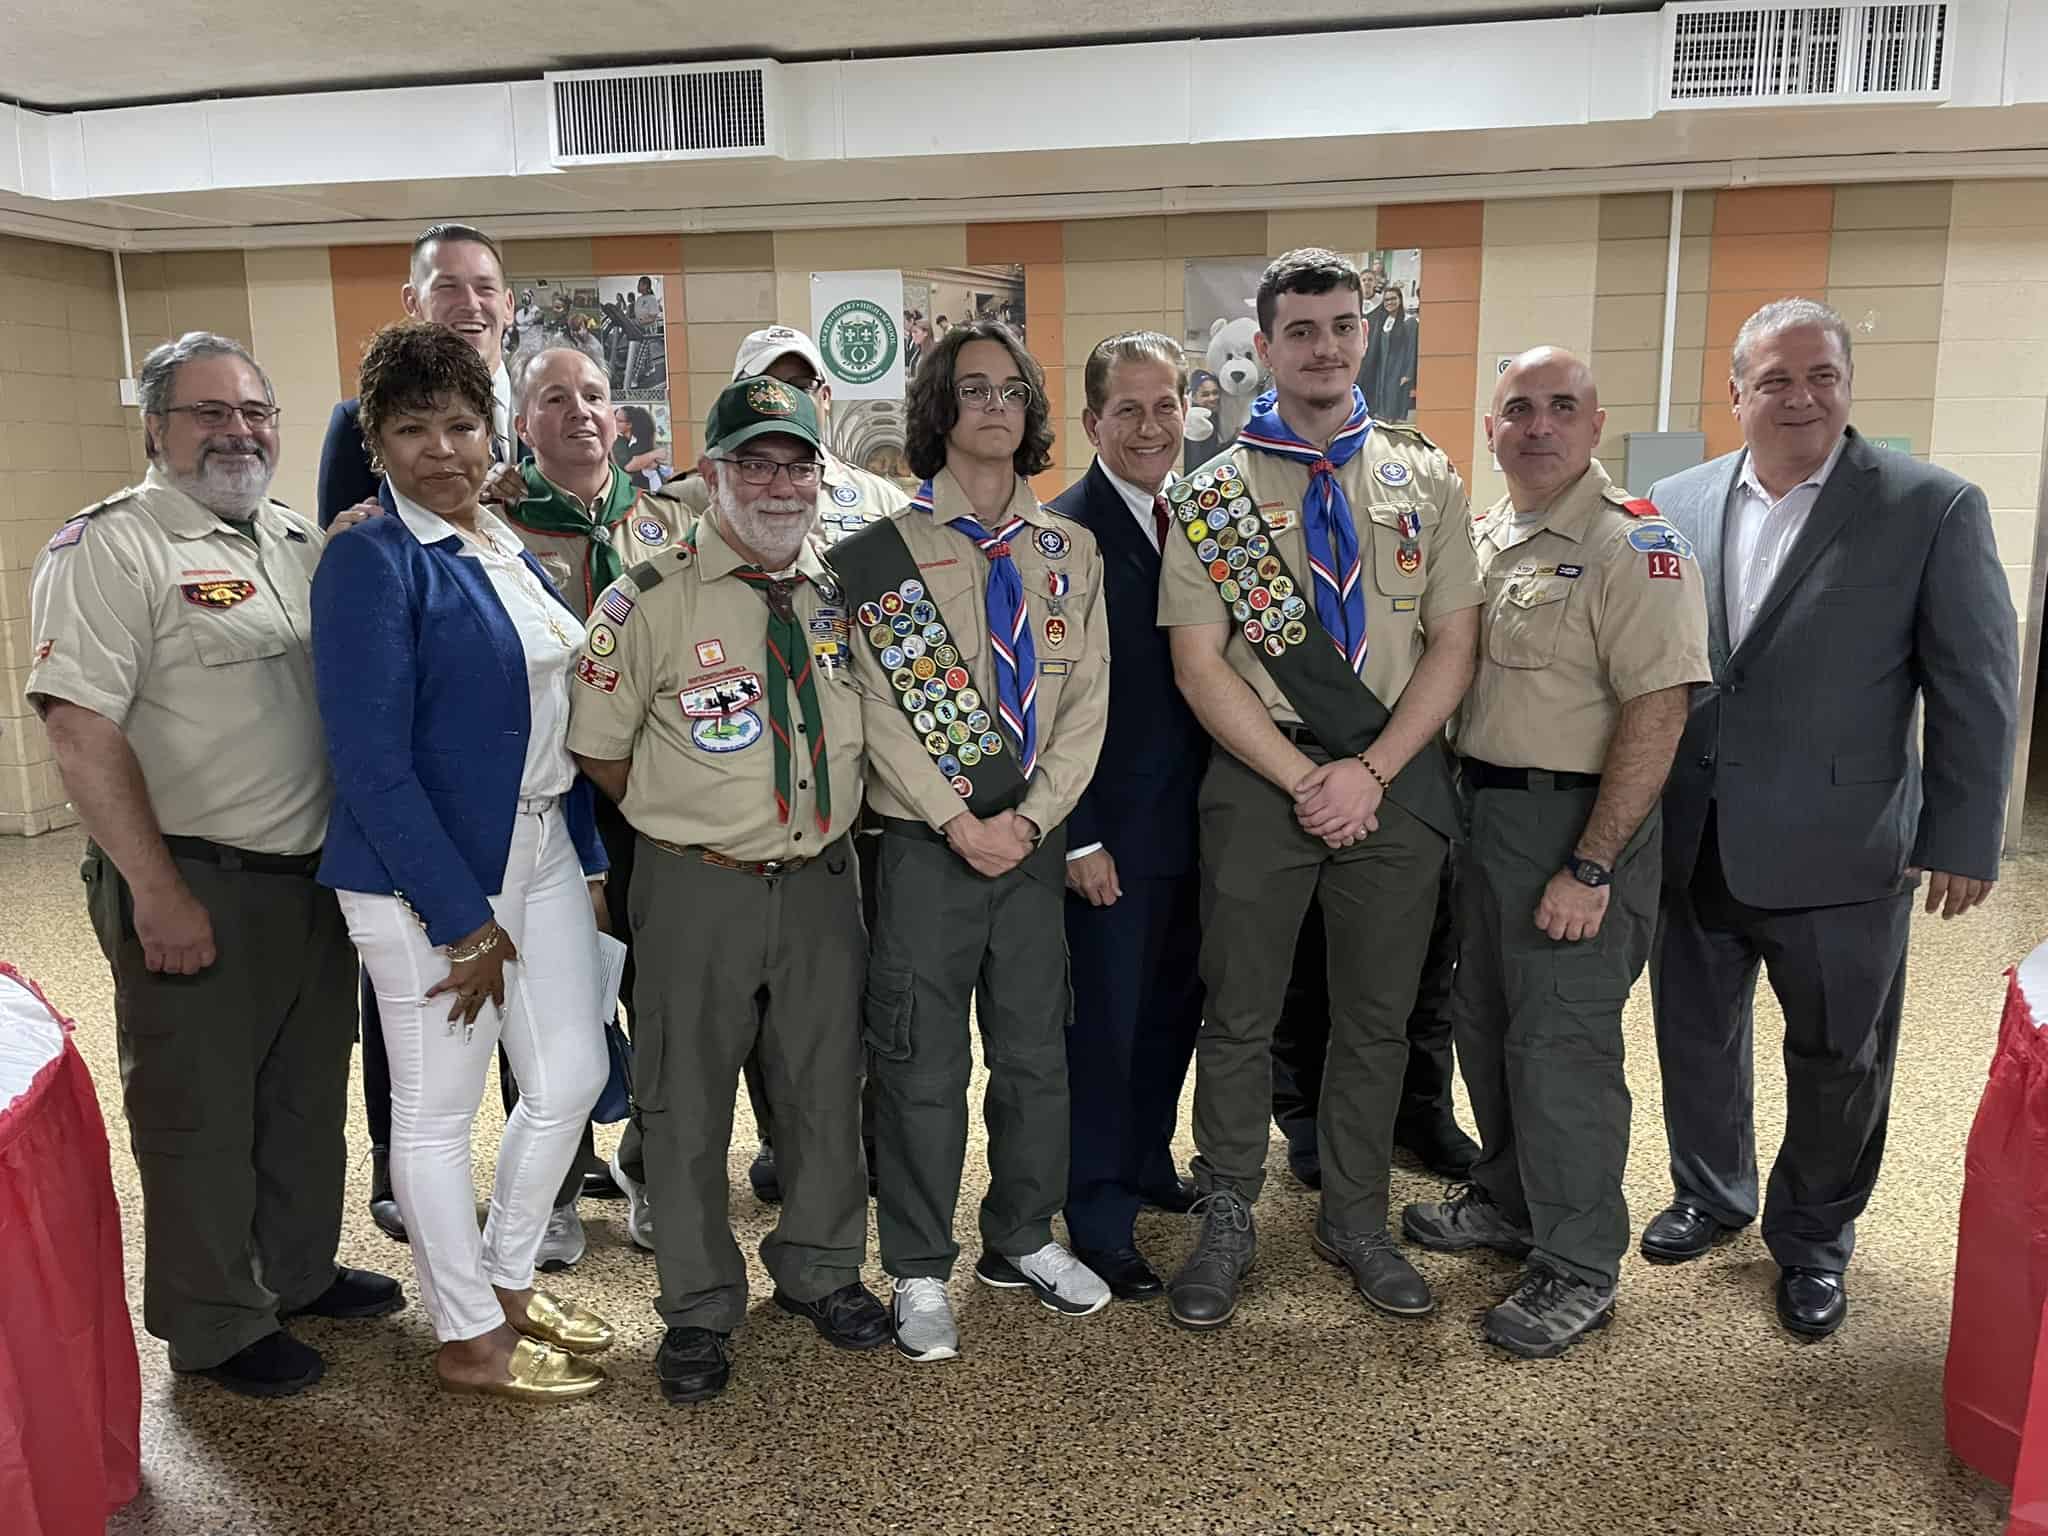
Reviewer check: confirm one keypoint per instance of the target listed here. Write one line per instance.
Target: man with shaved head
(1594, 632)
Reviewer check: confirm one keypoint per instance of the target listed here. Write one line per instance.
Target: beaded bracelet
(1378, 777)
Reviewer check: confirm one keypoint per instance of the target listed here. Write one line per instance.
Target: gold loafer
(539, 1374)
(565, 1324)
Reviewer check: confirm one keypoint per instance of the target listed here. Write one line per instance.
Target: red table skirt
(70, 1392)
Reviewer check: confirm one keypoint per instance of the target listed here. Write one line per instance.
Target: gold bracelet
(483, 947)
(1378, 777)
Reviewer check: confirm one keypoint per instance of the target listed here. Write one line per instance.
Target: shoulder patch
(647, 575)
(1639, 506)
(74, 527)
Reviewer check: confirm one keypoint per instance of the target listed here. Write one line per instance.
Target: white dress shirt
(1760, 533)
(547, 634)
(501, 413)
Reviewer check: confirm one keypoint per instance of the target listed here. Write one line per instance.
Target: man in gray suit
(1852, 594)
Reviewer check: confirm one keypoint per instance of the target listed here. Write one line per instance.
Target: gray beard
(776, 550)
(233, 494)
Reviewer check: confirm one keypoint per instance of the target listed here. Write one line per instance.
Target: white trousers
(554, 1039)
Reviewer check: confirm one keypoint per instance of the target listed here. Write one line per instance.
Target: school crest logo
(859, 341)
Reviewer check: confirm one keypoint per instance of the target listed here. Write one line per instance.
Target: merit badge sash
(897, 621)
(1235, 545)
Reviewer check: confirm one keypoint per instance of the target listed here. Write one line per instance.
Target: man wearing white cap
(849, 498)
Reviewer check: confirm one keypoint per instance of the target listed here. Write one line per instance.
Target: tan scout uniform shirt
(848, 499)
(674, 678)
(1073, 674)
(1399, 604)
(649, 526)
(194, 636)
(1596, 608)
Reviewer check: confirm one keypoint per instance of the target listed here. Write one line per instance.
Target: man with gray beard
(170, 629)
(716, 705)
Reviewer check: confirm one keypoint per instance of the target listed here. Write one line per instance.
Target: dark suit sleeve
(345, 474)
(1085, 821)
(1966, 661)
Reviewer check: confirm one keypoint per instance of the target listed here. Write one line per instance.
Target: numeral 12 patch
(1664, 565)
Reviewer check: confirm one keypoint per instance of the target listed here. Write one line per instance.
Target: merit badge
(925, 721)
(616, 605)
(1654, 538)
(1209, 500)
(1248, 527)
(869, 614)
(949, 765)
(1409, 558)
(956, 677)
(648, 531)
(912, 591)
(1409, 524)
(902, 679)
(1294, 607)
(914, 647)
(710, 653)
(970, 754)
(1237, 559)
(1208, 549)
(963, 786)
(1392, 472)
(727, 733)
(1240, 609)
(935, 743)
(1259, 598)
(892, 603)
(217, 594)
(969, 700)
(1283, 586)
(1204, 480)
(846, 495)
(923, 612)
(592, 674)
(602, 641)
(1227, 537)
(892, 657)
(727, 696)
(923, 667)
(1254, 631)
(1055, 633)
(1294, 632)
(934, 633)
(1276, 645)
(991, 744)
(1259, 545)
(945, 654)
(981, 720)
(1219, 570)
(934, 688)
(956, 733)
(1057, 583)
(945, 712)
(1229, 590)
(1198, 530)
(903, 624)
(913, 698)
(1227, 472)
(881, 637)
(1269, 569)
(1051, 543)
(1571, 572)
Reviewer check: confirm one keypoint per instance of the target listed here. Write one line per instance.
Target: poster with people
(619, 324)
(874, 329)
(1224, 372)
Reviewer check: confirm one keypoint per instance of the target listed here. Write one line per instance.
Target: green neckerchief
(550, 509)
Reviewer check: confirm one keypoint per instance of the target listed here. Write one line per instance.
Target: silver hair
(159, 375)
(1129, 347)
(1784, 315)
(526, 363)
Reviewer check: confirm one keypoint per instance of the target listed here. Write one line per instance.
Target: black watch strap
(1588, 871)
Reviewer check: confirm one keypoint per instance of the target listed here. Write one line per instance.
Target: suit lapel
(1115, 529)
(1709, 543)
(1838, 501)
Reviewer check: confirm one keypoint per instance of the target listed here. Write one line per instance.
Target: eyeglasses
(218, 413)
(803, 475)
(1013, 397)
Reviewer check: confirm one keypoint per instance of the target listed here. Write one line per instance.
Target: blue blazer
(1140, 804)
(422, 688)
(346, 478)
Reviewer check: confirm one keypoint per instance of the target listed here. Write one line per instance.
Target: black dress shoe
(1682, 1231)
(1440, 1145)
(1306, 1164)
(276, 1365)
(1125, 1272)
(383, 1207)
(763, 1175)
(1811, 1302)
(693, 1364)
(849, 1318)
(601, 1186)
(1176, 1200)
(353, 1293)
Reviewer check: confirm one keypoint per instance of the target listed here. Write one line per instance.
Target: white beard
(230, 490)
(777, 547)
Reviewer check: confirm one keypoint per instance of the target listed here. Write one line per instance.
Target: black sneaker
(849, 1318)
(693, 1364)
(354, 1293)
(1383, 1277)
(765, 1177)
(1548, 1313)
(276, 1365)
(1204, 1293)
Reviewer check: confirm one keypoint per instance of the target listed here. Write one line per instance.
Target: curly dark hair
(414, 365)
(931, 408)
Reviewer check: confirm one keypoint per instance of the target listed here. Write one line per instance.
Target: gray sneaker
(1204, 1293)
(639, 1209)
(923, 1316)
(561, 1245)
(1465, 1218)
(1548, 1314)
(1384, 1278)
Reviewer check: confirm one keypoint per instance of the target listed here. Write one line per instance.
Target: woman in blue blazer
(466, 858)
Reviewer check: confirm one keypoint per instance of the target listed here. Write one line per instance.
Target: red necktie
(1159, 523)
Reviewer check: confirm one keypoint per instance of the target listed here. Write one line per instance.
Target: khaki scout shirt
(673, 677)
(1070, 632)
(1398, 470)
(649, 526)
(1596, 608)
(848, 499)
(193, 634)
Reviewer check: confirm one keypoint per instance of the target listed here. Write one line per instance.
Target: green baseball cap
(749, 408)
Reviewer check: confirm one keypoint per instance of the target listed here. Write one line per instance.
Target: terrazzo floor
(1694, 1413)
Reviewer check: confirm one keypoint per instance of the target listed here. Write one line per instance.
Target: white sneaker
(1061, 1282)
(924, 1321)
(561, 1245)
(639, 1209)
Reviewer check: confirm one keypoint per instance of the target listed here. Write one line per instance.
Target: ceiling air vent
(665, 112)
(1723, 53)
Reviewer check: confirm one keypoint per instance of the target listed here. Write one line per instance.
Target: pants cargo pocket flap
(885, 1013)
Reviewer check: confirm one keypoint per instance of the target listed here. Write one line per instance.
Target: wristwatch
(1588, 871)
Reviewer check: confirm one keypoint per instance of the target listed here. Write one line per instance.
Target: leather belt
(765, 869)
(1300, 735)
(1479, 775)
(898, 826)
(230, 858)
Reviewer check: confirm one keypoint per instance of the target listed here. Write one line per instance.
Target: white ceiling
(98, 54)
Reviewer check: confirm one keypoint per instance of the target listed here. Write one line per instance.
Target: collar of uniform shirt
(718, 558)
(950, 501)
(1139, 501)
(1566, 515)
(1817, 479)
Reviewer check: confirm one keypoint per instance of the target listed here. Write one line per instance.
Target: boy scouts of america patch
(1051, 543)
(1392, 472)
(649, 530)
(217, 594)
(846, 495)
(769, 397)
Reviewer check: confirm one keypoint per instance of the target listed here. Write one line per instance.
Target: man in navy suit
(1133, 919)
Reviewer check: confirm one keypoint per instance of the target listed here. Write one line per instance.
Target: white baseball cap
(762, 348)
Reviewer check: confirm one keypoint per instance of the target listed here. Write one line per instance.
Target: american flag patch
(70, 533)
(615, 605)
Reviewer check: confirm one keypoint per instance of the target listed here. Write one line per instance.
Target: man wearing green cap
(716, 705)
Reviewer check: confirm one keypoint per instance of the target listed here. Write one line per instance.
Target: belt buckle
(769, 868)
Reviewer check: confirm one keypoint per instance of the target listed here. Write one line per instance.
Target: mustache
(233, 445)
(783, 504)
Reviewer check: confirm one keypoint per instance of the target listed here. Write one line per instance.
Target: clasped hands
(992, 846)
(1339, 802)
